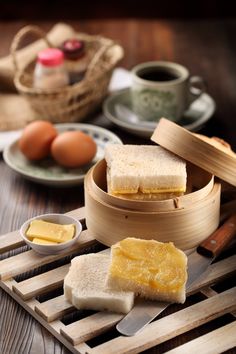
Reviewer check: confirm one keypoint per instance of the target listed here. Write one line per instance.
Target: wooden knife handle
(215, 243)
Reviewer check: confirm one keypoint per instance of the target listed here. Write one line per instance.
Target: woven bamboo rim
(190, 147)
(201, 179)
(37, 31)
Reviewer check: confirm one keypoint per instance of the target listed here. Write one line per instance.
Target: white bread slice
(71, 279)
(144, 169)
(152, 269)
(85, 286)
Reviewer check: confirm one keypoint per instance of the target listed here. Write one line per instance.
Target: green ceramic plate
(47, 171)
(118, 109)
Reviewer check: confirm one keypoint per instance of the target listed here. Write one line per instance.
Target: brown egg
(36, 139)
(73, 149)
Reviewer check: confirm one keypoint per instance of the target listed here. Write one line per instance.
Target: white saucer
(47, 171)
(193, 119)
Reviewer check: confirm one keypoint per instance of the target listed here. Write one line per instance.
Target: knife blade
(145, 311)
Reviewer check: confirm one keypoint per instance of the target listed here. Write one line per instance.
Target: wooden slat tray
(42, 297)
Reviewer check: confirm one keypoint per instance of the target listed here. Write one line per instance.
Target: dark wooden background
(206, 46)
(93, 9)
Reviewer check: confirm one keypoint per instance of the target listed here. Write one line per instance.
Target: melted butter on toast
(150, 263)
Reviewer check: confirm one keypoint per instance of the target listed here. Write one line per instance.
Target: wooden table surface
(207, 48)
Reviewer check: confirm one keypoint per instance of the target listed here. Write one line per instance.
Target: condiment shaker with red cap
(50, 72)
(76, 59)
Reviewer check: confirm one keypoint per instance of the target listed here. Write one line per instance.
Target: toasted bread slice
(152, 269)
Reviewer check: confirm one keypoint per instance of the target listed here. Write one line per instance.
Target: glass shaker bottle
(76, 60)
(50, 72)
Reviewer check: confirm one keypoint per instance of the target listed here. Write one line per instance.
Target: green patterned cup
(163, 89)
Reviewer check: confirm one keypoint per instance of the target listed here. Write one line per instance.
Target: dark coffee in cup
(158, 74)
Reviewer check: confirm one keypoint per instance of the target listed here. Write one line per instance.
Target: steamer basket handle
(19, 37)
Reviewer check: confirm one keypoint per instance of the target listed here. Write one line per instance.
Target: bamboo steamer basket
(186, 220)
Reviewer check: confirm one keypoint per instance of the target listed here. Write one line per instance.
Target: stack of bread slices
(144, 172)
(135, 267)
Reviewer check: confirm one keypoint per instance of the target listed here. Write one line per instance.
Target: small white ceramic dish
(54, 218)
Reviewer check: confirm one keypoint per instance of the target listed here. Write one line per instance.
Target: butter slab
(41, 229)
(40, 241)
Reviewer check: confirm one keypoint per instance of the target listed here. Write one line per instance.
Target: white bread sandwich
(85, 286)
(144, 172)
(152, 269)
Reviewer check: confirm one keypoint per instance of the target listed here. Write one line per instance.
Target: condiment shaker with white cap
(50, 72)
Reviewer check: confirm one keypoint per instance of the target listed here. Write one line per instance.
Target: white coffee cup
(163, 89)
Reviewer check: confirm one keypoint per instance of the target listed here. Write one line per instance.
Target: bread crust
(85, 286)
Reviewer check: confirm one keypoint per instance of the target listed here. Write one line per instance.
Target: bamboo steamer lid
(207, 153)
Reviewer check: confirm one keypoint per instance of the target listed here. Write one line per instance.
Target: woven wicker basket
(70, 103)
